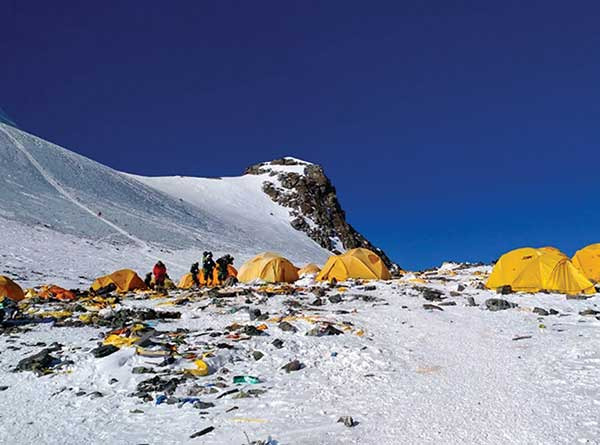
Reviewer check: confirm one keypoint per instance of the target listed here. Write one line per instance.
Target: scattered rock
(257, 355)
(498, 304)
(252, 331)
(460, 288)
(504, 290)
(447, 303)
(287, 327)
(203, 405)
(431, 294)
(292, 366)
(40, 362)
(335, 298)
(432, 307)
(319, 291)
(104, 351)
(589, 312)
(347, 421)
(157, 384)
(471, 302)
(142, 370)
(277, 343)
(578, 297)
(522, 337)
(320, 331)
(540, 311)
(202, 432)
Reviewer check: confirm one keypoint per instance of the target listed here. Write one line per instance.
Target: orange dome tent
(125, 280)
(10, 289)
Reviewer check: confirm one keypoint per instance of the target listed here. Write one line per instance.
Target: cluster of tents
(266, 267)
(547, 269)
(524, 270)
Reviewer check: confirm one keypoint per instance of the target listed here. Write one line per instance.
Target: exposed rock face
(314, 207)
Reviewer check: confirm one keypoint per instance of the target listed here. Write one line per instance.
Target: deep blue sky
(452, 130)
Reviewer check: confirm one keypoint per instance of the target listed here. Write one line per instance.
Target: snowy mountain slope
(45, 186)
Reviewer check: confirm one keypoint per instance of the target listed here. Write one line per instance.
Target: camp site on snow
(217, 344)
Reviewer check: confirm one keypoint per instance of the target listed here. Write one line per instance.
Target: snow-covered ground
(406, 374)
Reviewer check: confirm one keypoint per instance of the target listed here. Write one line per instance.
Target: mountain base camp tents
(533, 270)
(125, 280)
(269, 267)
(356, 263)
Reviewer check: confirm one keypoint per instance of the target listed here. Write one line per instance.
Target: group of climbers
(212, 273)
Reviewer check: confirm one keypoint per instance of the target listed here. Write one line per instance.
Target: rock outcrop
(314, 208)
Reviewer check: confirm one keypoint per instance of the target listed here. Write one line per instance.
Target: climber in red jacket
(160, 273)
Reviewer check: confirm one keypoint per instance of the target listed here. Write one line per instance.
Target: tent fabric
(125, 280)
(532, 270)
(10, 289)
(356, 263)
(186, 282)
(587, 260)
(309, 269)
(56, 292)
(269, 267)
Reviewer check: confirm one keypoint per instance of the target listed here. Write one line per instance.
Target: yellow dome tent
(588, 261)
(552, 249)
(269, 267)
(309, 269)
(10, 289)
(125, 280)
(355, 263)
(186, 281)
(532, 270)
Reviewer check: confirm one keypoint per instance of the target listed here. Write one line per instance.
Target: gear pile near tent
(309, 269)
(125, 280)
(532, 270)
(10, 289)
(356, 263)
(588, 261)
(269, 267)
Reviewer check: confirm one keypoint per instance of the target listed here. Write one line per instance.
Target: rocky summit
(314, 205)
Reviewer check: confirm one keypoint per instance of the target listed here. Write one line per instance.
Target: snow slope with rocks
(52, 198)
(452, 372)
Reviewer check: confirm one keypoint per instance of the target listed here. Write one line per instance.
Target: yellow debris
(120, 342)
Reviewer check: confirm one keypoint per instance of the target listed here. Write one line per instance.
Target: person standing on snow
(160, 273)
(223, 262)
(208, 266)
(194, 270)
